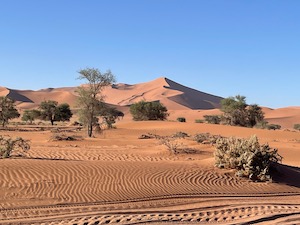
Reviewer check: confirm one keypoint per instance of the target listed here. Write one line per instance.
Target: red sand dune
(180, 100)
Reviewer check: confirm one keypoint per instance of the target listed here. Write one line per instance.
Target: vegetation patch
(65, 137)
(297, 126)
(181, 119)
(247, 156)
(148, 111)
(206, 138)
(10, 146)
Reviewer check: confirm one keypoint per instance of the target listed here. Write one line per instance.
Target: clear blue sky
(223, 47)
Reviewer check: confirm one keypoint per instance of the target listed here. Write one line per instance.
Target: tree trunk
(90, 130)
(52, 122)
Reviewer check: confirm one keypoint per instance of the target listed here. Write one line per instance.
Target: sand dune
(116, 178)
(181, 101)
(171, 94)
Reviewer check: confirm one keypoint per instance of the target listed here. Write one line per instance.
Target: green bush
(199, 121)
(273, 127)
(8, 146)
(148, 111)
(181, 119)
(213, 119)
(297, 126)
(247, 156)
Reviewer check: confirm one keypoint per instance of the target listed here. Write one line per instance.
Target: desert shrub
(237, 112)
(247, 156)
(180, 134)
(206, 138)
(76, 123)
(199, 121)
(273, 127)
(8, 146)
(171, 143)
(212, 119)
(181, 119)
(262, 125)
(65, 137)
(297, 126)
(148, 111)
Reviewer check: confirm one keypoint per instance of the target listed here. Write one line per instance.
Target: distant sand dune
(181, 101)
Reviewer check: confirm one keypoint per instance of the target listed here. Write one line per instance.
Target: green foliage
(236, 112)
(212, 119)
(273, 127)
(297, 126)
(63, 112)
(7, 110)
(148, 111)
(247, 156)
(8, 146)
(181, 119)
(199, 121)
(90, 100)
(31, 115)
(110, 115)
(50, 110)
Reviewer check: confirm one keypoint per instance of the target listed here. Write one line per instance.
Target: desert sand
(117, 178)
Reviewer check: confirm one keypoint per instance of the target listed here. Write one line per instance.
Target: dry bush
(180, 134)
(206, 138)
(171, 143)
(247, 156)
(65, 137)
(9, 146)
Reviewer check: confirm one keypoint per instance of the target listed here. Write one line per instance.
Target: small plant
(273, 127)
(9, 146)
(212, 119)
(247, 156)
(65, 137)
(262, 125)
(181, 119)
(206, 138)
(180, 134)
(297, 126)
(199, 121)
(171, 143)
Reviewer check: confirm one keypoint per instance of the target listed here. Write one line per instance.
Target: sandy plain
(117, 178)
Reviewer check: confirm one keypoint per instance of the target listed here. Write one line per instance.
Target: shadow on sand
(285, 174)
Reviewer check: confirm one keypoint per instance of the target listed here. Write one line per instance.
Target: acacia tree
(50, 110)
(7, 110)
(109, 115)
(31, 115)
(90, 100)
(148, 111)
(236, 112)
